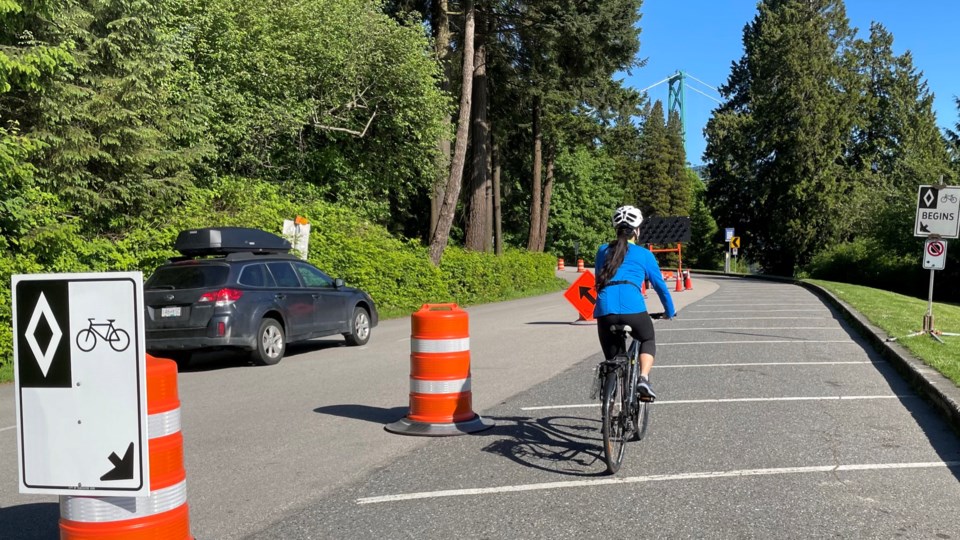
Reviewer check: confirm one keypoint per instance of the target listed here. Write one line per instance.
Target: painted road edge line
(656, 478)
(753, 342)
(6, 428)
(727, 400)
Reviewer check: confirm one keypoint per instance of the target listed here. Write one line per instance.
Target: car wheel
(359, 327)
(271, 343)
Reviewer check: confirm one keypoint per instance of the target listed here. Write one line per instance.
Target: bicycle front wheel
(613, 417)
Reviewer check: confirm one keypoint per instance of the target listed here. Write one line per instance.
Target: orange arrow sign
(582, 295)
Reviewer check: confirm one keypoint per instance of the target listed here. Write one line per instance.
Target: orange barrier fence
(164, 514)
(441, 399)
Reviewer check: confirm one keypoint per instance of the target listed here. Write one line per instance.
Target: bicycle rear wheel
(640, 419)
(614, 419)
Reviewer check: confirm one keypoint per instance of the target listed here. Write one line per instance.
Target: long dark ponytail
(616, 251)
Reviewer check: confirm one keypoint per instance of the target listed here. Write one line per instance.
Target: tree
(452, 192)
(651, 189)
(775, 148)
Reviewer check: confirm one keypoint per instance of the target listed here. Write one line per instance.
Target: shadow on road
(559, 444)
(226, 359)
(377, 415)
(36, 521)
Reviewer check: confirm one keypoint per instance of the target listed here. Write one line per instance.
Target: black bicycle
(118, 338)
(623, 415)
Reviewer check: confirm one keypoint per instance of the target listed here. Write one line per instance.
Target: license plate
(170, 311)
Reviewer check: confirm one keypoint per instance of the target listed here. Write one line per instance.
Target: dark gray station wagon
(238, 288)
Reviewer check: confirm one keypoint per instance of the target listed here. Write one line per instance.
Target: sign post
(727, 237)
(81, 384)
(937, 219)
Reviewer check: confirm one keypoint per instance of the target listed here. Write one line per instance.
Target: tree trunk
(488, 222)
(545, 211)
(475, 235)
(441, 235)
(533, 240)
(497, 216)
(441, 28)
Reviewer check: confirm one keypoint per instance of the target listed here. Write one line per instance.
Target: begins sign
(938, 212)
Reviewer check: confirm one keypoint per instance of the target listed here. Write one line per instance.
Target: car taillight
(223, 297)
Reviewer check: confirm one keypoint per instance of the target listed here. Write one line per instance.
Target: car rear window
(188, 277)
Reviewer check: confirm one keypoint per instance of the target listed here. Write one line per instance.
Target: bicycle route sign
(80, 383)
(938, 212)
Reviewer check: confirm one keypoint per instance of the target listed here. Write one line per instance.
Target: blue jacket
(638, 264)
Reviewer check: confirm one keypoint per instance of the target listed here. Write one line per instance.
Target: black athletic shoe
(645, 389)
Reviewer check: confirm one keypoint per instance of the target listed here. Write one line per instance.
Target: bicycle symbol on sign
(118, 338)
(948, 197)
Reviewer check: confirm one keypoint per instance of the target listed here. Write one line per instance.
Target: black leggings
(641, 329)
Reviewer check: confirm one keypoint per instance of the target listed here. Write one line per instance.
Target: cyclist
(622, 266)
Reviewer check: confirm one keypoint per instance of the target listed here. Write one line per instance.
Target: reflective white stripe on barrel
(439, 345)
(163, 424)
(454, 386)
(106, 509)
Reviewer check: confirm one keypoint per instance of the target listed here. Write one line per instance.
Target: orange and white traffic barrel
(164, 514)
(580, 267)
(441, 399)
(560, 263)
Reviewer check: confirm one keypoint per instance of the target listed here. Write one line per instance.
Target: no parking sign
(934, 254)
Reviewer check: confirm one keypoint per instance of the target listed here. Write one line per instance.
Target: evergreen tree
(650, 190)
(681, 190)
(775, 149)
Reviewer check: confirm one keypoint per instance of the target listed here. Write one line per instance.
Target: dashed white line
(8, 427)
(726, 400)
(757, 310)
(741, 304)
(742, 473)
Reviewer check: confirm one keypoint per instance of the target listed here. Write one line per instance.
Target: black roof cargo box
(226, 240)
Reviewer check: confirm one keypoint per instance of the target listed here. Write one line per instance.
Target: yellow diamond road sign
(735, 242)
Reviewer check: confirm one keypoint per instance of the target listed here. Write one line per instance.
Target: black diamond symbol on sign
(928, 198)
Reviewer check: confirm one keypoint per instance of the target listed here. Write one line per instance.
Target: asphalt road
(774, 420)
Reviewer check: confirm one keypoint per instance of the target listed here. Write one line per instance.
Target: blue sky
(703, 38)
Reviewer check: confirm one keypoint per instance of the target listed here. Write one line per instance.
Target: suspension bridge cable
(704, 94)
(710, 86)
(654, 84)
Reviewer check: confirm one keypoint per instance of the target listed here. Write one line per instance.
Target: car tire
(271, 343)
(359, 328)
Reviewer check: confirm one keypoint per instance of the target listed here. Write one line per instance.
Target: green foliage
(705, 249)
(584, 199)
(330, 92)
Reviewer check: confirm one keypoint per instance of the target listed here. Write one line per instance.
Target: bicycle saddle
(621, 328)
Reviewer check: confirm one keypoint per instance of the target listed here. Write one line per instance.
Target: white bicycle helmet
(629, 216)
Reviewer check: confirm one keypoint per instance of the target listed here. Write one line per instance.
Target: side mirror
(337, 283)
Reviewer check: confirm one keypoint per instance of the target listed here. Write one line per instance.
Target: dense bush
(867, 262)
(397, 273)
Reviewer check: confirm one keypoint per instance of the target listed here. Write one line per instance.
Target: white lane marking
(666, 328)
(659, 366)
(724, 400)
(682, 318)
(742, 304)
(8, 427)
(742, 473)
(755, 310)
(758, 341)
(404, 339)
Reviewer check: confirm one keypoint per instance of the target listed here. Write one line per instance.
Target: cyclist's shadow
(562, 444)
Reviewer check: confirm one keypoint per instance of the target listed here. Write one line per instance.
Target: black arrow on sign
(122, 468)
(924, 228)
(585, 293)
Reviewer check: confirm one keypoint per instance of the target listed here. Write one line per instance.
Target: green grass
(6, 372)
(899, 315)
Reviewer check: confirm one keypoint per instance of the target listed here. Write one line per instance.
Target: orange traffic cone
(679, 282)
(163, 515)
(643, 288)
(687, 282)
(441, 402)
